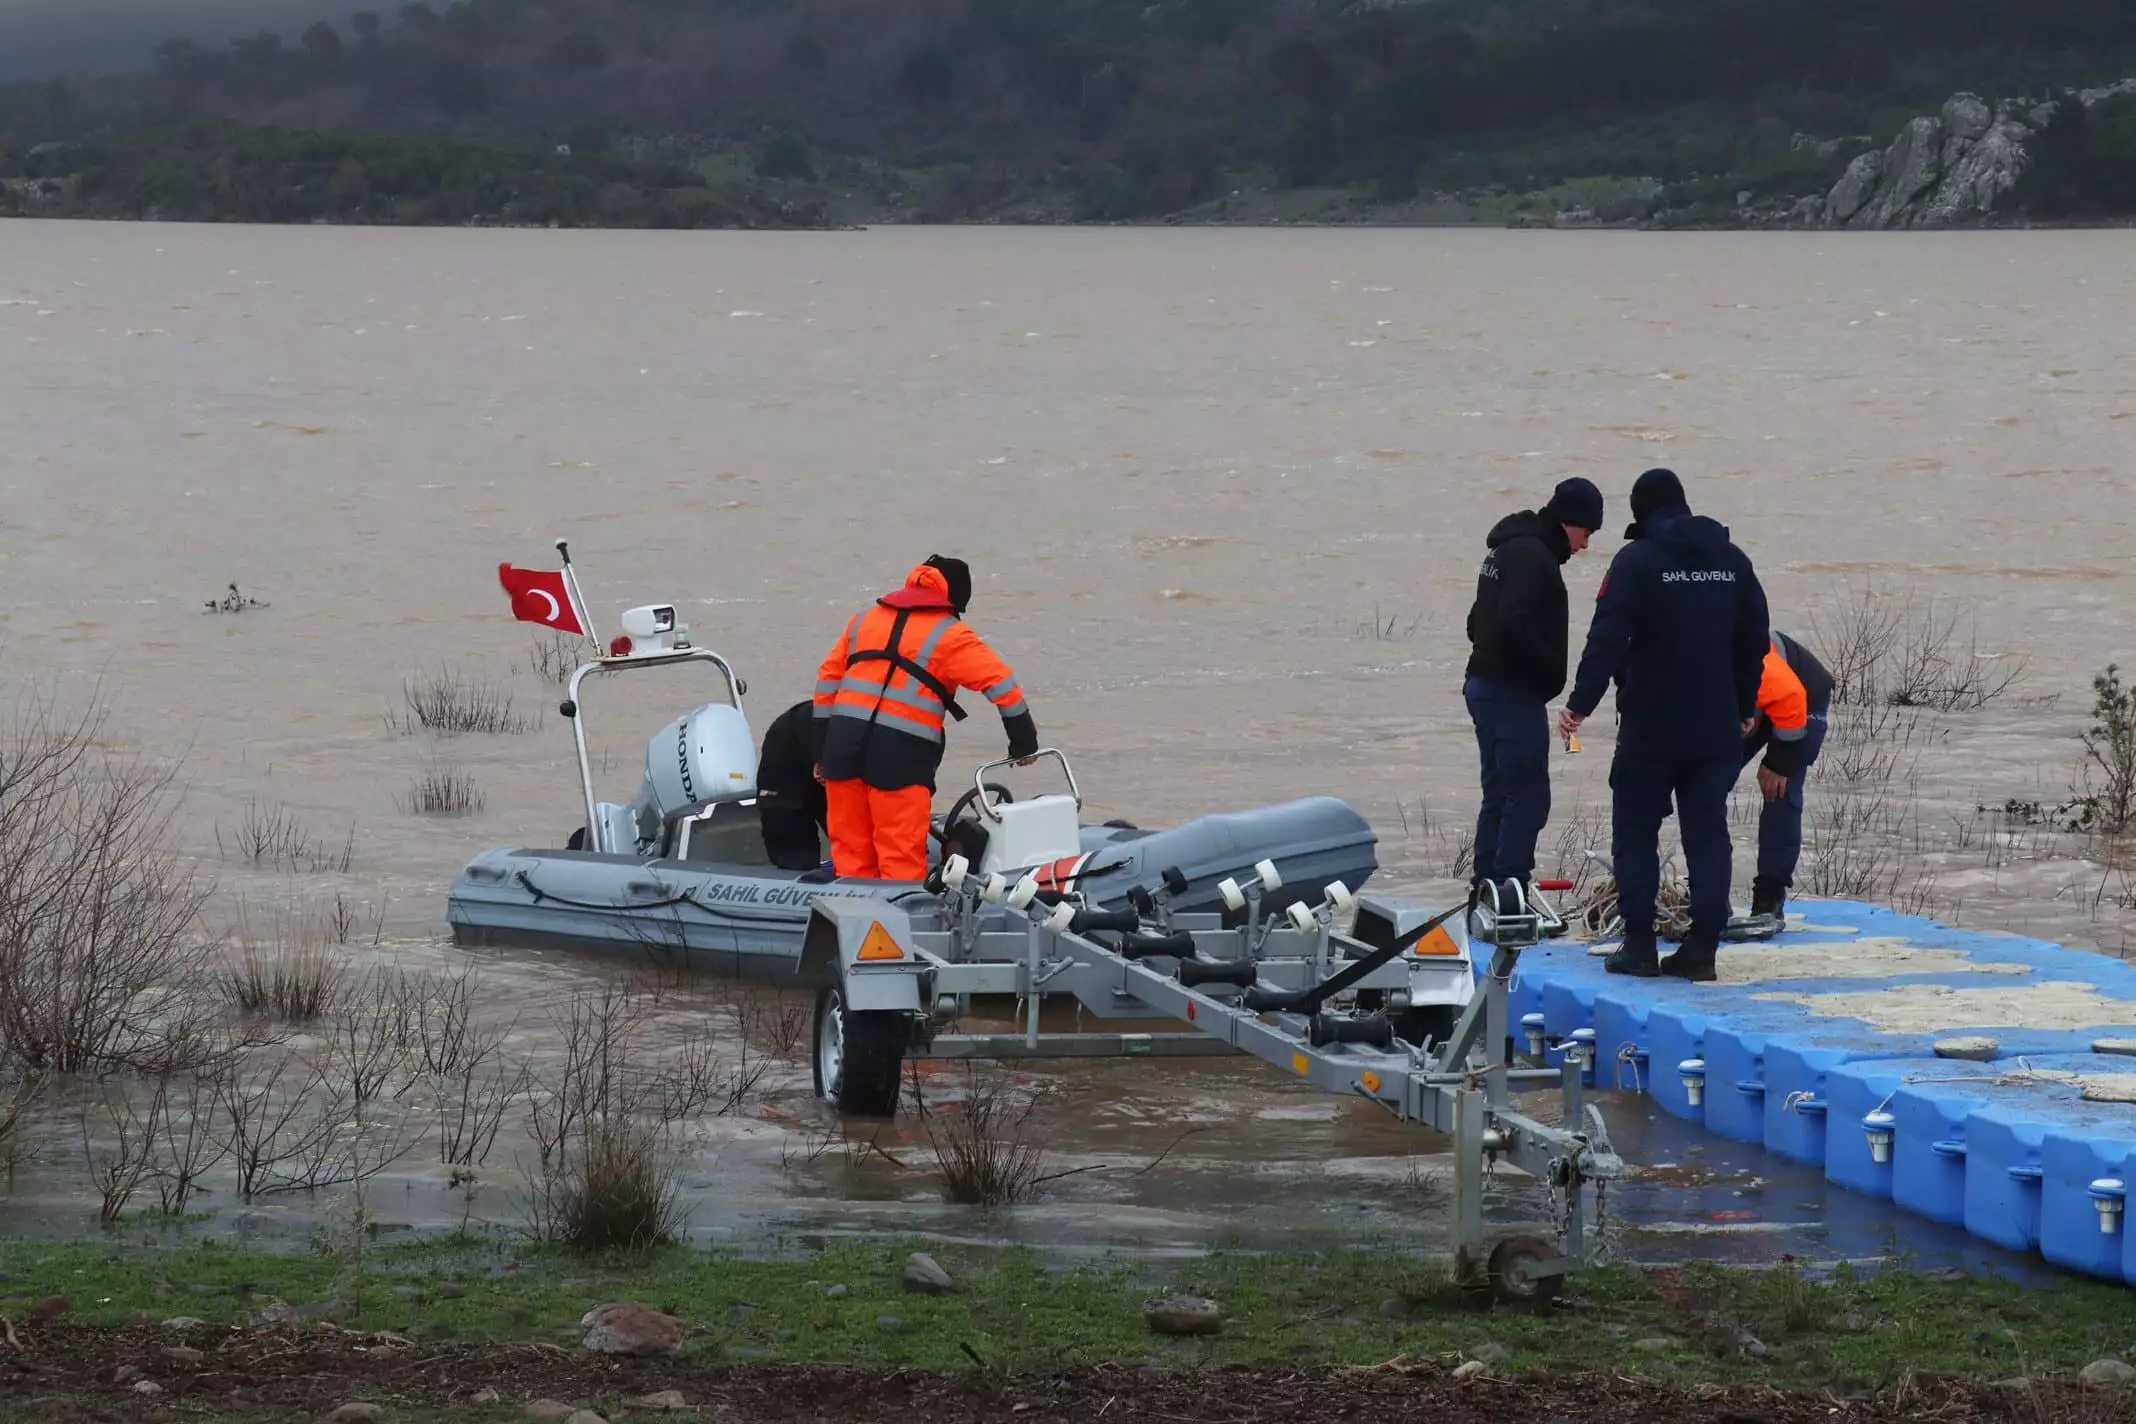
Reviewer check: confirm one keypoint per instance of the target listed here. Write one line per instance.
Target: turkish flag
(539, 596)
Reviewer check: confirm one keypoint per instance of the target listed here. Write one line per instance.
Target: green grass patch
(1695, 1324)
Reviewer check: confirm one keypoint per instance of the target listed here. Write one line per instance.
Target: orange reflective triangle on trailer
(879, 944)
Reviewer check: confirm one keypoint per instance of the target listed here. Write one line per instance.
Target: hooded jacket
(886, 686)
(1681, 627)
(1517, 625)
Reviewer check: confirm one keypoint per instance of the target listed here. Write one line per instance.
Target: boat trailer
(1328, 1005)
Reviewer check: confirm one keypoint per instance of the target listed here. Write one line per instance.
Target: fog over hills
(45, 37)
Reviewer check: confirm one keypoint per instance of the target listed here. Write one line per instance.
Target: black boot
(1636, 957)
(1693, 959)
(1769, 897)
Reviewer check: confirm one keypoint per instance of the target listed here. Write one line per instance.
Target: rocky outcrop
(1854, 189)
(1976, 183)
(1911, 169)
(1955, 169)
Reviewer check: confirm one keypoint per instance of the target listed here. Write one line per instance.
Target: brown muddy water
(1224, 493)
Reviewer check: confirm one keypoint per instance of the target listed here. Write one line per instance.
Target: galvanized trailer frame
(1292, 990)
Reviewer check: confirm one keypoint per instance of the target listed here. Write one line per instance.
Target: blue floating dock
(1840, 1066)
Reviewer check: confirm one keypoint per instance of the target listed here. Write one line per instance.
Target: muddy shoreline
(72, 1373)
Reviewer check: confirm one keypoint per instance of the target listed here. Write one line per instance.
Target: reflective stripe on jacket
(896, 669)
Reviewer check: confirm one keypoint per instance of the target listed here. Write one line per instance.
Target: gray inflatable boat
(681, 873)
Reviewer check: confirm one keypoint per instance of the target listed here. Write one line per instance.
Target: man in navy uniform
(1681, 627)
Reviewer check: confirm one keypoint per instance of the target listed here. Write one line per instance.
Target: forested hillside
(1128, 108)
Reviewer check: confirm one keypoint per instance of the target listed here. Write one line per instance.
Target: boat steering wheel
(967, 802)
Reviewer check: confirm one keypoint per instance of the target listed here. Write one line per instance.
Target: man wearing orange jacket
(882, 695)
(1794, 707)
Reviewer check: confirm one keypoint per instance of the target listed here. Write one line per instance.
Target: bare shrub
(189, 1147)
(695, 1079)
(1856, 640)
(447, 1039)
(122, 1161)
(2110, 750)
(272, 838)
(471, 1106)
(1875, 745)
(553, 658)
(2117, 886)
(343, 919)
(601, 1118)
(1385, 627)
(460, 1064)
(606, 1179)
(293, 975)
(102, 965)
(449, 702)
(990, 1147)
(299, 1131)
(613, 1187)
(1902, 651)
(1456, 847)
(370, 1040)
(443, 791)
(1580, 834)
(336, 856)
(21, 1084)
(593, 1081)
(1940, 665)
(266, 836)
(776, 1019)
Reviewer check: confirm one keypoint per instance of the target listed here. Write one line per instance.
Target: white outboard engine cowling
(706, 755)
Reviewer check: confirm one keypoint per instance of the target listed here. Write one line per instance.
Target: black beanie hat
(1577, 502)
(958, 575)
(1652, 493)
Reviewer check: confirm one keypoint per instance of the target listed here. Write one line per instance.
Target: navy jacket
(1516, 626)
(1681, 626)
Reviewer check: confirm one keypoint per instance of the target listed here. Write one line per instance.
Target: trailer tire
(858, 1057)
(1513, 1279)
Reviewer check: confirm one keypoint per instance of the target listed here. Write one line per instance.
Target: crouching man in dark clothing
(1517, 640)
(1794, 712)
(790, 800)
(1681, 626)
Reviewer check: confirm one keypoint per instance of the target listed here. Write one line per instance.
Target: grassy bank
(846, 1304)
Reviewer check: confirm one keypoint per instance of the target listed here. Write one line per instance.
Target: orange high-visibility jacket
(887, 685)
(1782, 699)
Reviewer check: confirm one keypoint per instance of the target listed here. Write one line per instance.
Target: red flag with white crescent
(539, 596)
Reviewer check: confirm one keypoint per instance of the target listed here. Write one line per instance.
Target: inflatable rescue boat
(681, 873)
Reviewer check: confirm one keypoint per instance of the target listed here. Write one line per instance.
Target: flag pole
(578, 598)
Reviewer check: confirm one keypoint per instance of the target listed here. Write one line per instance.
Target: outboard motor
(700, 759)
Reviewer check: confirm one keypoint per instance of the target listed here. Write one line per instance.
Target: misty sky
(40, 37)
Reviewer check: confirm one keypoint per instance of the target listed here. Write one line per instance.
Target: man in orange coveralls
(882, 695)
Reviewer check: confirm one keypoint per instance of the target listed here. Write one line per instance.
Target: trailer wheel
(1513, 1276)
(859, 1056)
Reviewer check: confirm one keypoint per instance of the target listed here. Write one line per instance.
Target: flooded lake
(1223, 493)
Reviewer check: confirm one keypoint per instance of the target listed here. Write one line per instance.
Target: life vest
(909, 690)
